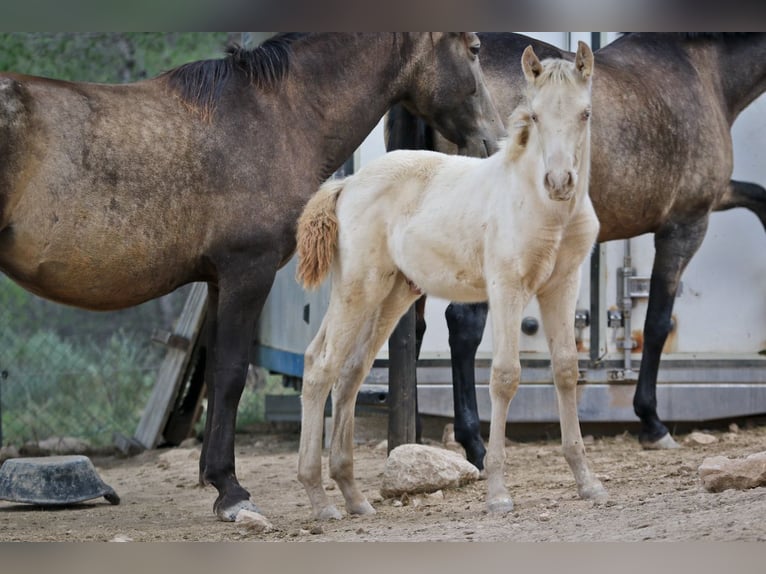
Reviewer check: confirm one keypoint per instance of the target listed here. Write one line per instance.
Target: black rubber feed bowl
(52, 480)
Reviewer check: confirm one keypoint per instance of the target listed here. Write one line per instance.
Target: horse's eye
(586, 114)
(533, 117)
(474, 48)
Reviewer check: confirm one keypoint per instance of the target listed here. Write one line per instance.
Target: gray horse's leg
(675, 245)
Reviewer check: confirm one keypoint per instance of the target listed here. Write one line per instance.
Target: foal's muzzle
(560, 184)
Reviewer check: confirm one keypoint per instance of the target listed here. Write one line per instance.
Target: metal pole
(402, 382)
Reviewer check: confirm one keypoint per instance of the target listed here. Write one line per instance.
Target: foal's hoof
(328, 513)
(595, 491)
(664, 443)
(500, 506)
(230, 514)
(361, 509)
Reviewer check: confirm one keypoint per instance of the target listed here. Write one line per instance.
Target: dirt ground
(654, 495)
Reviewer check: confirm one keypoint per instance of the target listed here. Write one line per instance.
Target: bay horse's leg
(465, 323)
(557, 309)
(503, 384)
(353, 372)
(675, 245)
(239, 303)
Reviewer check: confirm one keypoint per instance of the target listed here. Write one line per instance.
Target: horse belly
(91, 272)
(450, 270)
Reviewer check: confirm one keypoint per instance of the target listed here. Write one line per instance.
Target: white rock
(415, 468)
(253, 521)
(719, 473)
(700, 438)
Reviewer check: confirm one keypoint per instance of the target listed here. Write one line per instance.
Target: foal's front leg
(557, 307)
(503, 384)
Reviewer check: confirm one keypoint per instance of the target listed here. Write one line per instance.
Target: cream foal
(504, 229)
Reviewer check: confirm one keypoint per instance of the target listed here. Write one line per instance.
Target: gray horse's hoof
(230, 514)
(665, 443)
(500, 506)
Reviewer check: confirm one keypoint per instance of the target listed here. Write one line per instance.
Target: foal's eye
(474, 48)
(586, 114)
(533, 117)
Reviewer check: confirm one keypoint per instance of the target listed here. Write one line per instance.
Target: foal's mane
(200, 84)
(558, 71)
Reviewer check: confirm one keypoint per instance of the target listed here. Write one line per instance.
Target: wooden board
(173, 369)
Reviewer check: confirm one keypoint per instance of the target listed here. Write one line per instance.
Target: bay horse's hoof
(230, 514)
(665, 443)
(500, 506)
(328, 513)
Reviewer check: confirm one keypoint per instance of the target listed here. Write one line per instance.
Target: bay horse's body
(662, 161)
(506, 228)
(111, 195)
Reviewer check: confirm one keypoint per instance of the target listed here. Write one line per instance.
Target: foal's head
(559, 103)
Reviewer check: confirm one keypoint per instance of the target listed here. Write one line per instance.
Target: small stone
(415, 468)
(317, 529)
(253, 521)
(700, 438)
(719, 473)
(121, 538)
(734, 428)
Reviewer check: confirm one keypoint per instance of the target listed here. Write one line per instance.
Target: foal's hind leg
(557, 307)
(353, 372)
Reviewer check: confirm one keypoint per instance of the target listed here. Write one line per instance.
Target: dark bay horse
(111, 195)
(662, 162)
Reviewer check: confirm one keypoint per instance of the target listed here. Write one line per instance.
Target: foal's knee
(565, 369)
(505, 379)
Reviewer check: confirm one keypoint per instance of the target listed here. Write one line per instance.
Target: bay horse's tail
(318, 234)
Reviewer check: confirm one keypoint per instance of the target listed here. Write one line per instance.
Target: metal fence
(66, 372)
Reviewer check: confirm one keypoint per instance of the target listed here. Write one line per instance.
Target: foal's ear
(530, 64)
(584, 60)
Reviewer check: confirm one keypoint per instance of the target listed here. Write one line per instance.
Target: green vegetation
(116, 57)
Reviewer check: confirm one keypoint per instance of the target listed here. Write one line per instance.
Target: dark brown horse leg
(466, 327)
(748, 195)
(420, 330)
(675, 245)
(234, 308)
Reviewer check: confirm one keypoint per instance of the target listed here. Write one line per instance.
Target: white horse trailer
(714, 362)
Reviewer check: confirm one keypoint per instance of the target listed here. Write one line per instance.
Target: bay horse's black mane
(200, 84)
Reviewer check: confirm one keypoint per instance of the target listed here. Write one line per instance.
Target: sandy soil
(654, 495)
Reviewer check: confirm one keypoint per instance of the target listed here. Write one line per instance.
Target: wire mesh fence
(66, 372)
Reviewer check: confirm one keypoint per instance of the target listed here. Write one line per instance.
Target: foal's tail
(318, 234)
